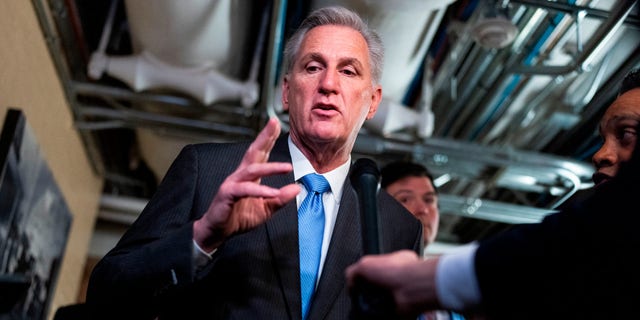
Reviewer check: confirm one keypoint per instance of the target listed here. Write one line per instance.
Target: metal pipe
(273, 52)
(136, 117)
(596, 43)
(105, 92)
(571, 9)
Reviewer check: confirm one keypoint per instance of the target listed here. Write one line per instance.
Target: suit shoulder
(207, 149)
(206, 146)
(393, 207)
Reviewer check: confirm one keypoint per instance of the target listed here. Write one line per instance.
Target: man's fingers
(373, 267)
(359, 269)
(255, 171)
(250, 189)
(261, 147)
(287, 193)
(351, 273)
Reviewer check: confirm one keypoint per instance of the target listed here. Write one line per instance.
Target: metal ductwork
(506, 120)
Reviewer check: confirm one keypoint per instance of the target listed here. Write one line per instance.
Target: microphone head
(364, 166)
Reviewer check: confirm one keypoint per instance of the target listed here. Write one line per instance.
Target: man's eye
(625, 131)
(313, 68)
(628, 135)
(429, 200)
(349, 72)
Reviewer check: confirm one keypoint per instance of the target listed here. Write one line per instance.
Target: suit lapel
(282, 235)
(345, 249)
(282, 231)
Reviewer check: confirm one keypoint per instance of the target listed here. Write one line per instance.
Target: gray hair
(336, 15)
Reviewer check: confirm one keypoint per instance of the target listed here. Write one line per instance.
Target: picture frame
(34, 223)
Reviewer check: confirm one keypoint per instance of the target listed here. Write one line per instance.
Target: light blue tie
(310, 232)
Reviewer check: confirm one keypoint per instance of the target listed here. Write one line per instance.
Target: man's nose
(605, 156)
(423, 208)
(329, 82)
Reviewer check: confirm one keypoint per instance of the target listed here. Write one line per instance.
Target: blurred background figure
(412, 185)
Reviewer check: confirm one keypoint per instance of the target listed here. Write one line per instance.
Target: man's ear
(285, 93)
(376, 97)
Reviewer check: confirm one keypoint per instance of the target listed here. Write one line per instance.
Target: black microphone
(369, 302)
(365, 178)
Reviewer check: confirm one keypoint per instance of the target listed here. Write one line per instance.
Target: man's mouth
(600, 177)
(322, 106)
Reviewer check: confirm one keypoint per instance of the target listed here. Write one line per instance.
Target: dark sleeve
(576, 264)
(155, 254)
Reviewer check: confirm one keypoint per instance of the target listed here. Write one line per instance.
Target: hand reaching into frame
(242, 203)
(402, 274)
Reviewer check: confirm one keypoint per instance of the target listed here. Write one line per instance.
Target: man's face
(418, 195)
(329, 91)
(618, 130)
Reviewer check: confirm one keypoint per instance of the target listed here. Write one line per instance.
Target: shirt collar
(302, 167)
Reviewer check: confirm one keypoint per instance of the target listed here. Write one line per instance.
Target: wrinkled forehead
(626, 105)
(336, 40)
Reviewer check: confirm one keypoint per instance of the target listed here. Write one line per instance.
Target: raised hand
(242, 202)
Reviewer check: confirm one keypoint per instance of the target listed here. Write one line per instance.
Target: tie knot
(315, 183)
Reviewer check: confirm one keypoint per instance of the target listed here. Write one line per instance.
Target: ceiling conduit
(514, 81)
(582, 62)
(481, 67)
(598, 41)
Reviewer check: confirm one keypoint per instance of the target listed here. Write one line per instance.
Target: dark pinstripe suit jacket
(254, 275)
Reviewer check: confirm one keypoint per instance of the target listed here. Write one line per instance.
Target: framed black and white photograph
(34, 223)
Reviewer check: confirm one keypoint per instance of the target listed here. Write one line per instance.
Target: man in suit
(219, 239)
(576, 264)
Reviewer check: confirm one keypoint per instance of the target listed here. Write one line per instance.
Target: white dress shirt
(330, 200)
(456, 282)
